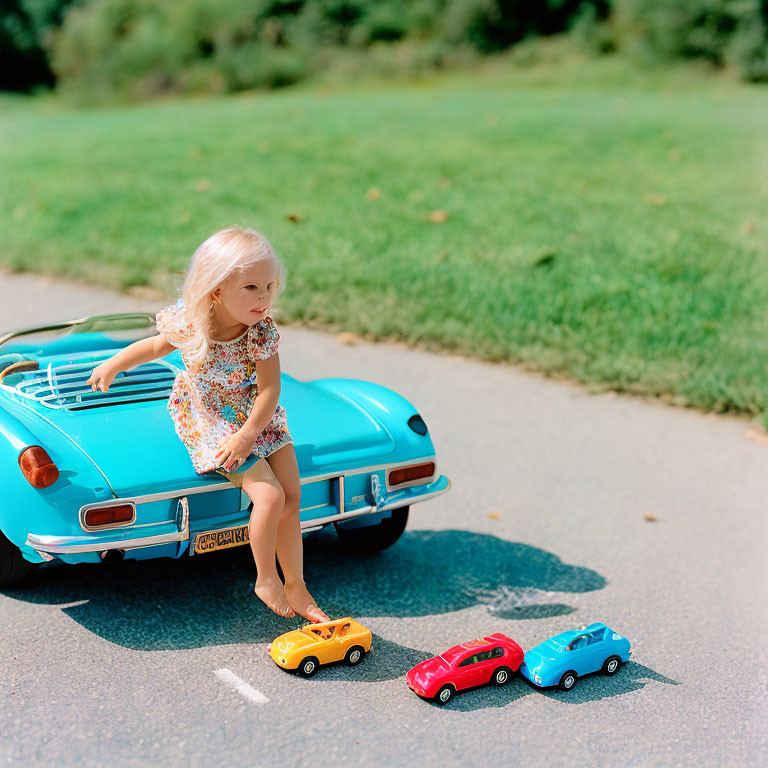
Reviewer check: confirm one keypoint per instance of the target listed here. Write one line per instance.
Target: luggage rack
(64, 387)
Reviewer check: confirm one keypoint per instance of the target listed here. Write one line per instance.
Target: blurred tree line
(137, 48)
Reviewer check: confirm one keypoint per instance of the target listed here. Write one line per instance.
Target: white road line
(231, 679)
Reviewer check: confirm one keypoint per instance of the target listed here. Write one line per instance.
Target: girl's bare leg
(289, 545)
(268, 499)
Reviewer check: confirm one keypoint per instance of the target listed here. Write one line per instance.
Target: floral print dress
(213, 402)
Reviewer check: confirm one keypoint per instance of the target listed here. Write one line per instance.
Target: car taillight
(37, 467)
(415, 472)
(120, 513)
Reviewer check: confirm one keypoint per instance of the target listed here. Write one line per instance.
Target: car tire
(13, 566)
(501, 676)
(309, 666)
(611, 666)
(355, 655)
(373, 539)
(567, 681)
(445, 694)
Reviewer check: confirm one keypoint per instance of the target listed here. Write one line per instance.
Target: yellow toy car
(306, 648)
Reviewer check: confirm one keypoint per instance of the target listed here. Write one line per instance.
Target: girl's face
(247, 296)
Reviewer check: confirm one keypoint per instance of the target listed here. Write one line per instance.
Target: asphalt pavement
(566, 508)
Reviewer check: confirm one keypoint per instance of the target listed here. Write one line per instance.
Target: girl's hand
(102, 376)
(234, 450)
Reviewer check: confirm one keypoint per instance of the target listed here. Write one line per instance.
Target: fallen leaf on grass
(649, 517)
(345, 337)
(437, 217)
(374, 193)
(297, 217)
(749, 227)
(655, 199)
(758, 435)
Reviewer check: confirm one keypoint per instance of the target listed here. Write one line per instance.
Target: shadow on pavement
(631, 677)
(208, 600)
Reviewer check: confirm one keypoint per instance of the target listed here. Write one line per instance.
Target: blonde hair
(228, 250)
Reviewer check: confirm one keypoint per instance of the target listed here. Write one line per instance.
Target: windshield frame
(93, 324)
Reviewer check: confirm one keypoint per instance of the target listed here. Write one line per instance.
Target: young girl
(225, 404)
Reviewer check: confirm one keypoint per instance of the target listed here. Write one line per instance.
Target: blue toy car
(562, 659)
(94, 476)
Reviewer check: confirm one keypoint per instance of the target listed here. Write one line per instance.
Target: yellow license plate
(227, 537)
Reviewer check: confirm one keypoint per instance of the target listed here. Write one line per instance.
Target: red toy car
(491, 659)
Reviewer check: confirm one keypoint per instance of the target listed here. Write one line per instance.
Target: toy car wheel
(501, 676)
(309, 666)
(355, 655)
(445, 694)
(567, 681)
(372, 539)
(13, 566)
(611, 666)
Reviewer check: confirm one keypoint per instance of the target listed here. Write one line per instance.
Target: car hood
(541, 654)
(429, 670)
(136, 447)
(292, 641)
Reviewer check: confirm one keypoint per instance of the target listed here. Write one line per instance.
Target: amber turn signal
(37, 467)
(415, 472)
(120, 513)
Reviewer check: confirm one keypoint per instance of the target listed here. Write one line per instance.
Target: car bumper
(171, 537)
(156, 534)
(532, 677)
(419, 690)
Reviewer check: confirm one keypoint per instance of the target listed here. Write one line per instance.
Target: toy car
(562, 659)
(305, 649)
(490, 659)
(101, 476)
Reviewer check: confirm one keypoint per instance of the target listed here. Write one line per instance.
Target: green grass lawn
(613, 233)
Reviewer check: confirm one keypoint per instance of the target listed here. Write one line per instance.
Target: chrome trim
(75, 544)
(228, 484)
(411, 483)
(150, 497)
(370, 468)
(182, 514)
(105, 505)
(365, 510)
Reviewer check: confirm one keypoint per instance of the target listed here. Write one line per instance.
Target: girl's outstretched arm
(139, 352)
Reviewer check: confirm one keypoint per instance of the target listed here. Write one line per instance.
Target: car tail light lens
(415, 472)
(120, 513)
(37, 467)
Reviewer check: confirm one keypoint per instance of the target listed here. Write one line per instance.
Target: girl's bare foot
(303, 603)
(270, 591)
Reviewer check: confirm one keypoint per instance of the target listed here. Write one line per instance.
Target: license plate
(223, 539)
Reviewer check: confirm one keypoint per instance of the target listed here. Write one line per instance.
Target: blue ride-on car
(562, 659)
(93, 476)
